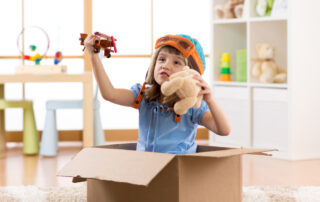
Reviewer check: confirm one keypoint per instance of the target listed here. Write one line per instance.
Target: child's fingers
(200, 84)
(197, 77)
(203, 84)
(89, 42)
(204, 92)
(90, 39)
(205, 89)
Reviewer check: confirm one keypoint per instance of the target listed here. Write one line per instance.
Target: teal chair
(49, 140)
(30, 132)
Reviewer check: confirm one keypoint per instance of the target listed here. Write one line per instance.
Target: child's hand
(205, 88)
(89, 42)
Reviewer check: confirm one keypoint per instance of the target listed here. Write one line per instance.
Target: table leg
(2, 123)
(88, 137)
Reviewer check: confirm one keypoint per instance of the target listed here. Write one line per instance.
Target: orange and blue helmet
(188, 46)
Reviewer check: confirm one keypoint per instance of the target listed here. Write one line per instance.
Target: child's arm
(118, 96)
(215, 120)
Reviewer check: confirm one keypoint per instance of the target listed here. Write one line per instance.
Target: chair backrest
(101, 56)
(96, 92)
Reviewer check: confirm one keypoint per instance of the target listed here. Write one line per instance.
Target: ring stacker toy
(104, 41)
(37, 58)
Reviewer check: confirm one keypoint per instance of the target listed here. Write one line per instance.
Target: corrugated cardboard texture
(164, 188)
(210, 179)
(116, 165)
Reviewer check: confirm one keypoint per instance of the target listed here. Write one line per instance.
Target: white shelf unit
(264, 115)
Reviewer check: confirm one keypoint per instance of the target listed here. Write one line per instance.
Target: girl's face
(168, 62)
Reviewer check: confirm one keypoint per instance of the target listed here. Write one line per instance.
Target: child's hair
(153, 93)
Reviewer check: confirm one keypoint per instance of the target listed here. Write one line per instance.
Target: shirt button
(161, 109)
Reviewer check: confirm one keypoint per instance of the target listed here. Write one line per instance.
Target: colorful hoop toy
(27, 57)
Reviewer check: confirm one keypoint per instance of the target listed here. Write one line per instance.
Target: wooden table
(85, 78)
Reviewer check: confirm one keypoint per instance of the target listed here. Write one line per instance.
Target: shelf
(258, 112)
(268, 115)
(253, 85)
(229, 21)
(232, 83)
(269, 85)
(244, 20)
(228, 39)
(267, 19)
(258, 34)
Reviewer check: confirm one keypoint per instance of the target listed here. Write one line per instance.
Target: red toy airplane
(104, 41)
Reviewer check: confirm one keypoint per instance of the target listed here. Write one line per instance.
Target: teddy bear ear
(258, 46)
(186, 67)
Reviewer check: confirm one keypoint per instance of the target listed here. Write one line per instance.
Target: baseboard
(110, 135)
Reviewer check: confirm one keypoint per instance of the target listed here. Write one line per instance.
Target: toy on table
(104, 41)
(185, 86)
(225, 67)
(37, 57)
(58, 57)
(40, 47)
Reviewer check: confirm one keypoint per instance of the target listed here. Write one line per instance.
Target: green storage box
(241, 67)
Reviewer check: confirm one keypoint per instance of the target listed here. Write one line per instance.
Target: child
(159, 131)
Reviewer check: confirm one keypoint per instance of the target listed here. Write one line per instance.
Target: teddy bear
(231, 9)
(264, 67)
(185, 86)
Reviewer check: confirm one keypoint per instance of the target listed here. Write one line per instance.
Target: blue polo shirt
(159, 132)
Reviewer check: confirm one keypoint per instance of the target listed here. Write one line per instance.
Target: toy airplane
(104, 41)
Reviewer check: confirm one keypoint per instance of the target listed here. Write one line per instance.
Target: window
(135, 24)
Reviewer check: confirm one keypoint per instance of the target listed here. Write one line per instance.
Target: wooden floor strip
(110, 135)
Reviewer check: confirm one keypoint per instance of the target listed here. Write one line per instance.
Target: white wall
(305, 78)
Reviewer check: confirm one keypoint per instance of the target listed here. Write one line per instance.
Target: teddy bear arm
(181, 107)
(281, 70)
(256, 69)
(198, 103)
(171, 86)
(280, 78)
(219, 11)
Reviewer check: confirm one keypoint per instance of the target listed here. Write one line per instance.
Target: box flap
(117, 165)
(231, 152)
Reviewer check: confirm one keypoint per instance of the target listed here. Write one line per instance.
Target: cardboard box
(118, 173)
